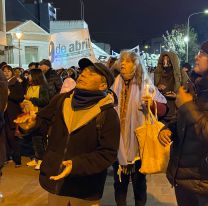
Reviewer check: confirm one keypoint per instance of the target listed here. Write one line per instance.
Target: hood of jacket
(178, 73)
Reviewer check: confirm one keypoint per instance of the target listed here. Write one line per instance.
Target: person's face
(32, 67)
(201, 62)
(7, 73)
(90, 80)
(30, 78)
(44, 68)
(166, 61)
(26, 75)
(127, 68)
(17, 73)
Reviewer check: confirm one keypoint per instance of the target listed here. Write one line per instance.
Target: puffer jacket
(188, 165)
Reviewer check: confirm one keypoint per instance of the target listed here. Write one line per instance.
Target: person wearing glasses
(188, 165)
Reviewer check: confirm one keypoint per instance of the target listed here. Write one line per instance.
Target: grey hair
(137, 64)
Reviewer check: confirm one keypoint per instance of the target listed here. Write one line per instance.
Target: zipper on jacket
(63, 159)
(61, 165)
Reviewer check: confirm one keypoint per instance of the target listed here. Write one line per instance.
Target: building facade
(38, 11)
(32, 47)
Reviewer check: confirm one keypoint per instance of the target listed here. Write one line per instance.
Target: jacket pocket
(51, 163)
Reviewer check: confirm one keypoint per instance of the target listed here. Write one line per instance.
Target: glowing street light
(19, 36)
(186, 39)
(146, 47)
(188, 30)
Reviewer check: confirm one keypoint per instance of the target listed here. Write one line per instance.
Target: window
(31, 54)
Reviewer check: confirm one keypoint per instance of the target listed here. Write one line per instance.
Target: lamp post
(161, 47)
(19, 36)
(82, 9)
(187, 39)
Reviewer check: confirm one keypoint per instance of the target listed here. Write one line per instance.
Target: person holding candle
(134, 89)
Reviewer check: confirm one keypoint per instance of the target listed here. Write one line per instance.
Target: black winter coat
(3, 91)
(188, 165)
(91, 155)
(54, 82)
(43, 99)
(3, 102)
(15, 97)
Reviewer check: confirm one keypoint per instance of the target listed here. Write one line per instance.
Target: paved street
(20, 187)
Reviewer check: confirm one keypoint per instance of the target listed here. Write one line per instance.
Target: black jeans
(38, 146)
(13, 145)
(186, 197)
(138, 182)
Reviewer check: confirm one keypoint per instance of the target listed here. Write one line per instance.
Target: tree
(174, 41)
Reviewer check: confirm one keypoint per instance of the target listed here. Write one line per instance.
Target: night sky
(125, 23)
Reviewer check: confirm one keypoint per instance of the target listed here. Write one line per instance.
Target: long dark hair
(38, 78)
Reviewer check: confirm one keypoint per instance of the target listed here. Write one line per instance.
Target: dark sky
(125, 23)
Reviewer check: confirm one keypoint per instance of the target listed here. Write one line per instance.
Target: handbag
(154, 156)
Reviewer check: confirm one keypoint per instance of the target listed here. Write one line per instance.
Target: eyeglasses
(201, 53)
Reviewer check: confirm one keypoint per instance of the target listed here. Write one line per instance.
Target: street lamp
(187, 39)
(19, 36)
(146, 47)
(161, 47)
(82, 9)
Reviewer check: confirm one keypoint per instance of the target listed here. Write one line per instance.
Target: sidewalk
(21, 188)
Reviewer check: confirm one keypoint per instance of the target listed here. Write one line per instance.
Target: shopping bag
(154, 156)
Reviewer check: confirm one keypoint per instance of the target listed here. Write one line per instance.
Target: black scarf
(84, 99)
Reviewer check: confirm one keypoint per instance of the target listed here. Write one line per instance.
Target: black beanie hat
(204, 47)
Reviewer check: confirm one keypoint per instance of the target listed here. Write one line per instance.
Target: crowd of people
(80, 121)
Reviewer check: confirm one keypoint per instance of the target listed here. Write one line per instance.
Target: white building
(33, 44)
(62, 26)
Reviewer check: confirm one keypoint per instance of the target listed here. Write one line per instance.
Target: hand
(66, 171)
(164, 137)
(147, 100)
(26, 106)
(161, 87)
(183, 97)
(26, 97)
(170, 94)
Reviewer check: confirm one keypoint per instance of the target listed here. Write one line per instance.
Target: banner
(149, 60)
(67, 48)
(136, 50)
(100, 54)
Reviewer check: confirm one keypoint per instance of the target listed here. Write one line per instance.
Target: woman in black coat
(38, 94)
(16, 96)
(3, 102)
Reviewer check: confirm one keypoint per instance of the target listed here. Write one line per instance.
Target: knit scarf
(84, 99)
